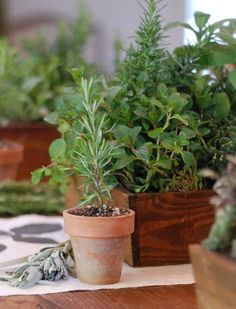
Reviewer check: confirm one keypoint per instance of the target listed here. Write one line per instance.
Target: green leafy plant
(93, 152)
(13, 100)
(83, 150)
(30, 91)
(162, 137)
(142, 68)
(222, 234)
(173, 118)
(204, 70)
(167, 130)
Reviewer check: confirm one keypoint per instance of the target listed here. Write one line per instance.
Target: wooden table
(158, 297)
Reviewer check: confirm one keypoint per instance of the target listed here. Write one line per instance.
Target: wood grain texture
(36, 138)
(162, 297)
(215, 277)
(165, 224)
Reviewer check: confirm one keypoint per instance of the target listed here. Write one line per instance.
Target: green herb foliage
(205, 71)
(14, 101)
(143, 65)
(83, 150)
(162, 137)
(167, 125)
(29, 92)
(173, 118)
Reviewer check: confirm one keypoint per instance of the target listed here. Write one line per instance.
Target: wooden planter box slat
(215, 277)
(36, 138)
(165, 224)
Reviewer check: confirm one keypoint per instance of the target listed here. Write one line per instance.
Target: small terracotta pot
(98, 245)
(11, 155)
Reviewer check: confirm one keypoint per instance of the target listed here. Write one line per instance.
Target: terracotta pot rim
(13, 144)
(27, 125)
(105, 227)
(95, 218)
(11, 155)
(217, 256)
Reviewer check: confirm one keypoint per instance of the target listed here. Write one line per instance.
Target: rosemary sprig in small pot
(98, 231)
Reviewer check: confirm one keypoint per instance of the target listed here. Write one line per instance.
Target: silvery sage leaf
(24, 277)
(47, 265)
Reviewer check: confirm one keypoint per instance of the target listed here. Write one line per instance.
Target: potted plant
(11, 155)
(165, 137)
(98, 231)
(214, 260)
(29, 92)
(172, 119)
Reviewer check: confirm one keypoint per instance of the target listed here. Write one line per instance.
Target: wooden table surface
(160, 297)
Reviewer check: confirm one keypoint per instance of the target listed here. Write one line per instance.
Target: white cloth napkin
(131, 277)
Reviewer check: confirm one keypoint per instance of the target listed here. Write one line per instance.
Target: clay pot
(215, 277)
(11, 155)
(98, 245)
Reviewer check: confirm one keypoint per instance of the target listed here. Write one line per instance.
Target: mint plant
(201, 69)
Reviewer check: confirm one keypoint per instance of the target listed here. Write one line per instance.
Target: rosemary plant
(83, 150)
(93, 152)
(143, 64)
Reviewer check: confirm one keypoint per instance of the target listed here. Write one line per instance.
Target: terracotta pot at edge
(11, 155)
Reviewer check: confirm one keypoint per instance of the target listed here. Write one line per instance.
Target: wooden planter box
(165, 224)
(215, 277)
(36, 138)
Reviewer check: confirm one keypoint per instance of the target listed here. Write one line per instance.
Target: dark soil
(94, 211)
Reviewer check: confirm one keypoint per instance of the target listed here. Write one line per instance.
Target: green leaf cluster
(30, 84)
(83, 150)
(205, 70)
(173, 110)
(142, 68)
(171, 114)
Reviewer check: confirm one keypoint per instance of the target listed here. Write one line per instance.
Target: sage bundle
(48, 265)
